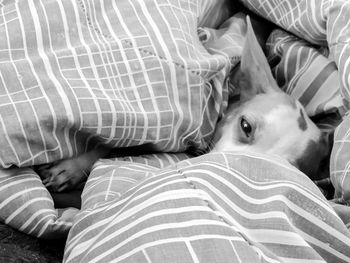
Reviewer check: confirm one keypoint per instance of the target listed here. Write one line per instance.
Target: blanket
(79, 73)
(222, 207)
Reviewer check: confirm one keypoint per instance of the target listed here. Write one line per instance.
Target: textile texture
(77, 74)
(213, 208)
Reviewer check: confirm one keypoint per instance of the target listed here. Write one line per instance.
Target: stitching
(148, 52)
(192, 185)
(145, 51)
(217, 213)
(339, 42)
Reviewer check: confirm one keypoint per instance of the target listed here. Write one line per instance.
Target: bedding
(219, 207)
(77, 74)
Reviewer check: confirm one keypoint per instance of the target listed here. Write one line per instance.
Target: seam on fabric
(221, 218)
(145, 51)
(338, 42)
(193, 186)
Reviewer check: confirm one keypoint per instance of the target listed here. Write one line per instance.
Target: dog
(264, 119)
(267, 120)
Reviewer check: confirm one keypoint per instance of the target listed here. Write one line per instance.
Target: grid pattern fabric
(130, 72)
(121, 72)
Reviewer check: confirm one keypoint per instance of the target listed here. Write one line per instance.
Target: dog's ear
(254, 75)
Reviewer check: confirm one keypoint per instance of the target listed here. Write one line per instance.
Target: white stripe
(110, 180)
(101, 41)
(43, 55)
(143, 67)
(7, 138)
(81, 247)
(252, 232)
(34, 230)
(52, 111)
(192, 252)
(303, 260)
(39, 213)
(77, 67)
(249, 233)
(175, 240)
(19, 120)
(28, 205)
(129, 71)
(107, 221)
(301, 212)
(172, 70)
(19, 193)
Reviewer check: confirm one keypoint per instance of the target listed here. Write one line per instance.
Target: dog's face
(265, 119)
(272, 124)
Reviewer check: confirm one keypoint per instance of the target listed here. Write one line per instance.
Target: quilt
(75, 74)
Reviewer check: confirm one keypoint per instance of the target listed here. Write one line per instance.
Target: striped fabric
(340, 169)
(75, 73)
(26, 205)
(305, 73)
(118, 72)
(126, 72)
(324, 23)
(320, 22)
(215, 208)
(110, 178)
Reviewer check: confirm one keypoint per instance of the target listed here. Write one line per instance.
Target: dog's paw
(64, 175)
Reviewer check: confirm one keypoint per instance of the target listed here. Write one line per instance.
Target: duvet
(76, 74)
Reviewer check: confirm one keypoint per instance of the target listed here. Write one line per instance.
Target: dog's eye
(246, 127)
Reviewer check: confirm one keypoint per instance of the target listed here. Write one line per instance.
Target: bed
(155, 74)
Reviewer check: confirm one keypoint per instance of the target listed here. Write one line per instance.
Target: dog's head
(266, 119)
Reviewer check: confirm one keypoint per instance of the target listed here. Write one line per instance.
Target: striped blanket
(78, 73)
